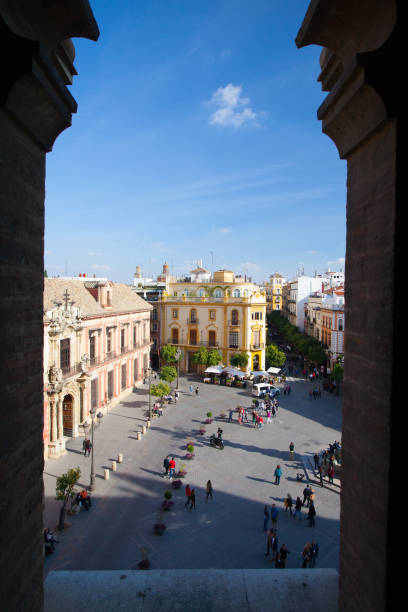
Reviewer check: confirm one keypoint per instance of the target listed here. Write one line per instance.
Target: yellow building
(224, 312)
(273, 290)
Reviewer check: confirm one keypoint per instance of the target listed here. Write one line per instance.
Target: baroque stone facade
(96, 349)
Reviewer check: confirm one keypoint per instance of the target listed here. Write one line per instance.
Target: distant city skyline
(196, 133)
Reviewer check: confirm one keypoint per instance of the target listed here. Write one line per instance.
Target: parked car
(261, 389)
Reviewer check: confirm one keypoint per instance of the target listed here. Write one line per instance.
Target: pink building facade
(96, 350)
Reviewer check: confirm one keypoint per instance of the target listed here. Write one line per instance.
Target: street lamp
(178, 356)
(149, 371)
(92, 483)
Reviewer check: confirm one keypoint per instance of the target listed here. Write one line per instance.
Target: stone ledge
(311, 590)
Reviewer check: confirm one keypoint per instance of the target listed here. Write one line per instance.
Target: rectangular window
(110, 384)
(122, 338)
(65, 354)
(154, 327)
(94, 393)
(135, 370)
(233, 340)
(124, 376)
(145, 361)
(109, 341)
(212, 315)
(92, 348)
(175, 313)
(134, 335)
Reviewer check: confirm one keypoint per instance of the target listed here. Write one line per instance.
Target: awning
(259, 373)
(214, 369)
(273, 370)
(234, 371)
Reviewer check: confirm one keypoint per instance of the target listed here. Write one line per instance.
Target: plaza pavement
(226, 532)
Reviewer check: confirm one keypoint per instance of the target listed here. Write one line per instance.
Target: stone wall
(35, 106)
(361, 114)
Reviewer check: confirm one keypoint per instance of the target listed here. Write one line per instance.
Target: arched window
(340, 324)
(193, 316)
(201, 292)
(218, 293)
(236, 293)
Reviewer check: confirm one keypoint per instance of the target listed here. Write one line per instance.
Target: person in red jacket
(172, 468)
(188, 494)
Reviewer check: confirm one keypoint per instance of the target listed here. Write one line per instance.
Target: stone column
(60, 420)
(361, 70)
(53, 424)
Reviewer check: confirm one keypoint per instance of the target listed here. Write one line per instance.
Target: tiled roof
(123, 298)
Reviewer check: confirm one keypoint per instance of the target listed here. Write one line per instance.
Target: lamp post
(92, 483)
(149, 372)
(178, 356)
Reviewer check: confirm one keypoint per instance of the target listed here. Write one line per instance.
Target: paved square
(226, 532)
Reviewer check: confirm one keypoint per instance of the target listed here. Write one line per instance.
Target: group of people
(309, 554)
(169, 466)
(315, 393)
(87, 447)
(279, 555)
(325, 462)
(191, 496)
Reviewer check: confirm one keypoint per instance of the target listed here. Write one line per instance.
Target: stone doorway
(67, 415)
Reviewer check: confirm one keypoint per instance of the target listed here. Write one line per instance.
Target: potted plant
(159, 527)
(209, 417)
(216, 381)
(190, 452)
(182, 471)
(144, 564)
(202, 430)
(176, 484)
(167, 504)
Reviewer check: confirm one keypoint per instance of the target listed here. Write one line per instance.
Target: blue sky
(196, 131)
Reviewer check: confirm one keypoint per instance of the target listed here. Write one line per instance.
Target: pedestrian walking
(268, 416)
(175, 397)
(306, 555)
(192, 500)
(191, 389)
(166, 462)
(278, 561)
(298, 508)
(209, 490)
(273, 410)
(187, 492)
(230, 413)
(172, 468)
(88, 448)
(316, 461)
(330, 474)
(84, 445)
(288, 503)
(278, 474)
(269, 542)
(320, 472)
(284, 552)
(307, 491)
(314, 553)
(266, 518)
(274, 544)
(292, 450)
(311, 515)
(196, 391)
(274, 517)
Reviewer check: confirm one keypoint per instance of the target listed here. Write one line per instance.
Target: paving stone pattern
(226, 532)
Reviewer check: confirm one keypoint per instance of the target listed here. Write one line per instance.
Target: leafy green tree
(200, 357)
(239, 360)
(64, 490)
(274, 356)
(168, 373)
(45, 274)
(168, 353)
(214, 358)
(160, 390)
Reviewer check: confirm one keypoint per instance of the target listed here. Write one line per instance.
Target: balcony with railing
(68, 371)
(256, 346)
(234, 322)
(192, 321)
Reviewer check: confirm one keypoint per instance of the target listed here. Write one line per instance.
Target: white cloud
(233, 109)
(225, 230)
(95, 254)
(100, 267)
(248, 265)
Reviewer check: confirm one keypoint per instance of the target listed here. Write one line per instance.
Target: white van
(260, 389)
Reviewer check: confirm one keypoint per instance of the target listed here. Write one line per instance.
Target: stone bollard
(139, 435)
(120, 458)
(113, 466)
(148, 424)
(143, 429)
(106, 474)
